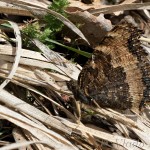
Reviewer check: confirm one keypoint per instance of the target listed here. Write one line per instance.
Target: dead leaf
(94, 28)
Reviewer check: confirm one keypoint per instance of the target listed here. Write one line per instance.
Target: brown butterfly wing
(117, 76)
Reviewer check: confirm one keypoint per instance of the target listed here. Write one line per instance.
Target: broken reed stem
(144, 39)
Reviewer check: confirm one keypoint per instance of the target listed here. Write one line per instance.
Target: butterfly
(117, 75)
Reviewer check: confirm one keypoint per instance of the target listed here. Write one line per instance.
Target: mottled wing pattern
(118, 74)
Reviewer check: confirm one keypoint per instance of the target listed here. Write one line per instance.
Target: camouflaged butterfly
(118, 74)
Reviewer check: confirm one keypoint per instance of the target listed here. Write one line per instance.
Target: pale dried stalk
(32, 138)
(19, 136)
(22, 106)
(42, 133)
(14, 10)
(35, 59)
(17, 57)
(62, 124)
(121, 7)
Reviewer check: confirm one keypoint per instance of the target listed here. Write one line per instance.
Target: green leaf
(7, 25)
(83, 53)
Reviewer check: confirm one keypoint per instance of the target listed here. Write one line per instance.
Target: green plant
(49, 29)
(53, 23)
(83, 53)
(47, 33)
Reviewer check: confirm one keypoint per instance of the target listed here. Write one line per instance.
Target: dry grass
(37, 126)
